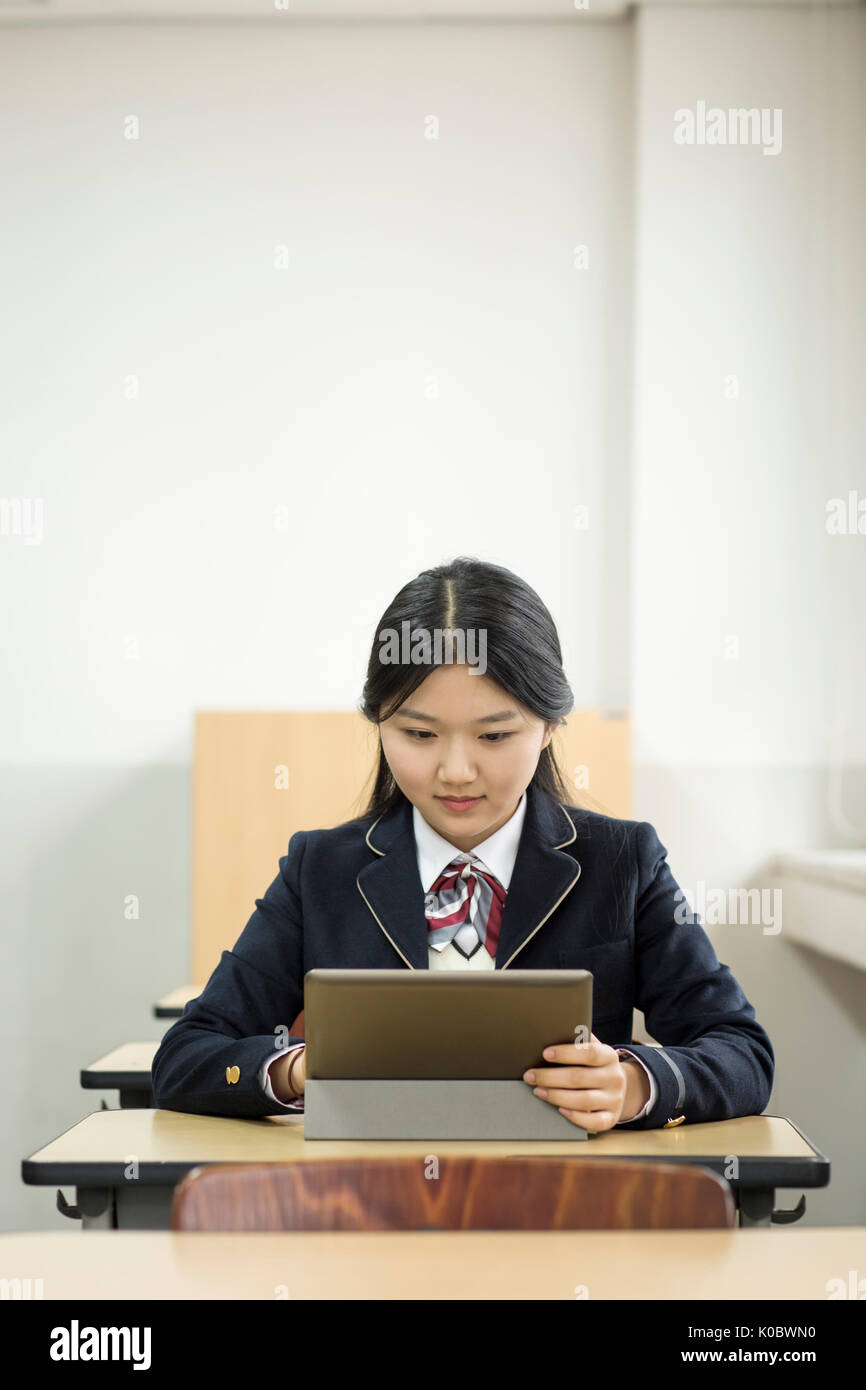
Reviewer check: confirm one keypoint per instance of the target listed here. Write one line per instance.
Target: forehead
(451, 694)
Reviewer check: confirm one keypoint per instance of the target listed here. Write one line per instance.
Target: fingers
(593, 1053)
(573, 1077)
(577, 1065)
(586, 1083)
(577, 1077)
(595, 1121)
(594, 1113)
(588, 1101)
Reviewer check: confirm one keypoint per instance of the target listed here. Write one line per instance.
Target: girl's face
(444, 742)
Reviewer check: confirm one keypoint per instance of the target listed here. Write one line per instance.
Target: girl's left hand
(589, 1085)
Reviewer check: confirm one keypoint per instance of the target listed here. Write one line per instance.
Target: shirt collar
(497, 853)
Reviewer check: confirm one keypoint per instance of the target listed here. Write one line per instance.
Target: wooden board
(260, 776)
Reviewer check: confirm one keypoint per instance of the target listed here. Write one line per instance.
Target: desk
(96, 1157)
(146, 1265)
(128, 1069)
(171, 1005)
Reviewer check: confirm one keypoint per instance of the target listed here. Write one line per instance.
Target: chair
(533, 1193)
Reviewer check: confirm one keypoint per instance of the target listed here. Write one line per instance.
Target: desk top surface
(177, 998)
(133, 1057)
(167, 1143)
(739, 1264)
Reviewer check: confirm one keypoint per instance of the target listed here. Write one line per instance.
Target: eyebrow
(485, 718)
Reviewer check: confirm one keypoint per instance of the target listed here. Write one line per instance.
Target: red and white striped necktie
(465, 907)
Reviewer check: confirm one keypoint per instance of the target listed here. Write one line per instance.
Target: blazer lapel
(391, 886)
(542, 874)
(392, 889)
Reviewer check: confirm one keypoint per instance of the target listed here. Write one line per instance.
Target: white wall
(752, 264)
(304, 388)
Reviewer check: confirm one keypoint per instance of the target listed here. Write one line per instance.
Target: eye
(424, 734)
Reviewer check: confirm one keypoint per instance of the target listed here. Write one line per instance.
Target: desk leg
(136, 1100)
(96, 1205)
(756, 1206)
(140, 1208)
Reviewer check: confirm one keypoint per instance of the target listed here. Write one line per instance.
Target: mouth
(459, 803)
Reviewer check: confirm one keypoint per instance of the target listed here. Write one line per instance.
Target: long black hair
(523, 656)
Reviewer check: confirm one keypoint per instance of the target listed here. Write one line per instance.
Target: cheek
(519, 764)
(503, 766)
(401, 755)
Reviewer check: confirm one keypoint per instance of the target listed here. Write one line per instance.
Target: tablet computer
(422, 1024)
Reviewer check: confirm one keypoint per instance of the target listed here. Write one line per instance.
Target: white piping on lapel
(390, 938)
(381, 854)
(369, 833)
(562, 845)
(547, 914)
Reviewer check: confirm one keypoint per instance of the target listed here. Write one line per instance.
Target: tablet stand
(427, 1109)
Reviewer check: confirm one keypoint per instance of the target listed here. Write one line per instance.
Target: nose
(456, 768)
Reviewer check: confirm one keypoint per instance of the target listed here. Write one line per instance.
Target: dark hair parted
(523, 656)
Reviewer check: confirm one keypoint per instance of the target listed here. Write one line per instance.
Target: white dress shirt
(497, 854)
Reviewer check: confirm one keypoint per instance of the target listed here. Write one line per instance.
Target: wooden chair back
(534, 1193)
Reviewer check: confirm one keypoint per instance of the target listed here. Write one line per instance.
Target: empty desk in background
(126, 1069)
(782, 1263)
(94, 1156)
(171, 1005)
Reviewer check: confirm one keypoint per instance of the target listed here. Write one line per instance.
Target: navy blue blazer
(587, 891)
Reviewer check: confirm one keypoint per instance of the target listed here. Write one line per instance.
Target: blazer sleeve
(208, 1062)
(715, 1060)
